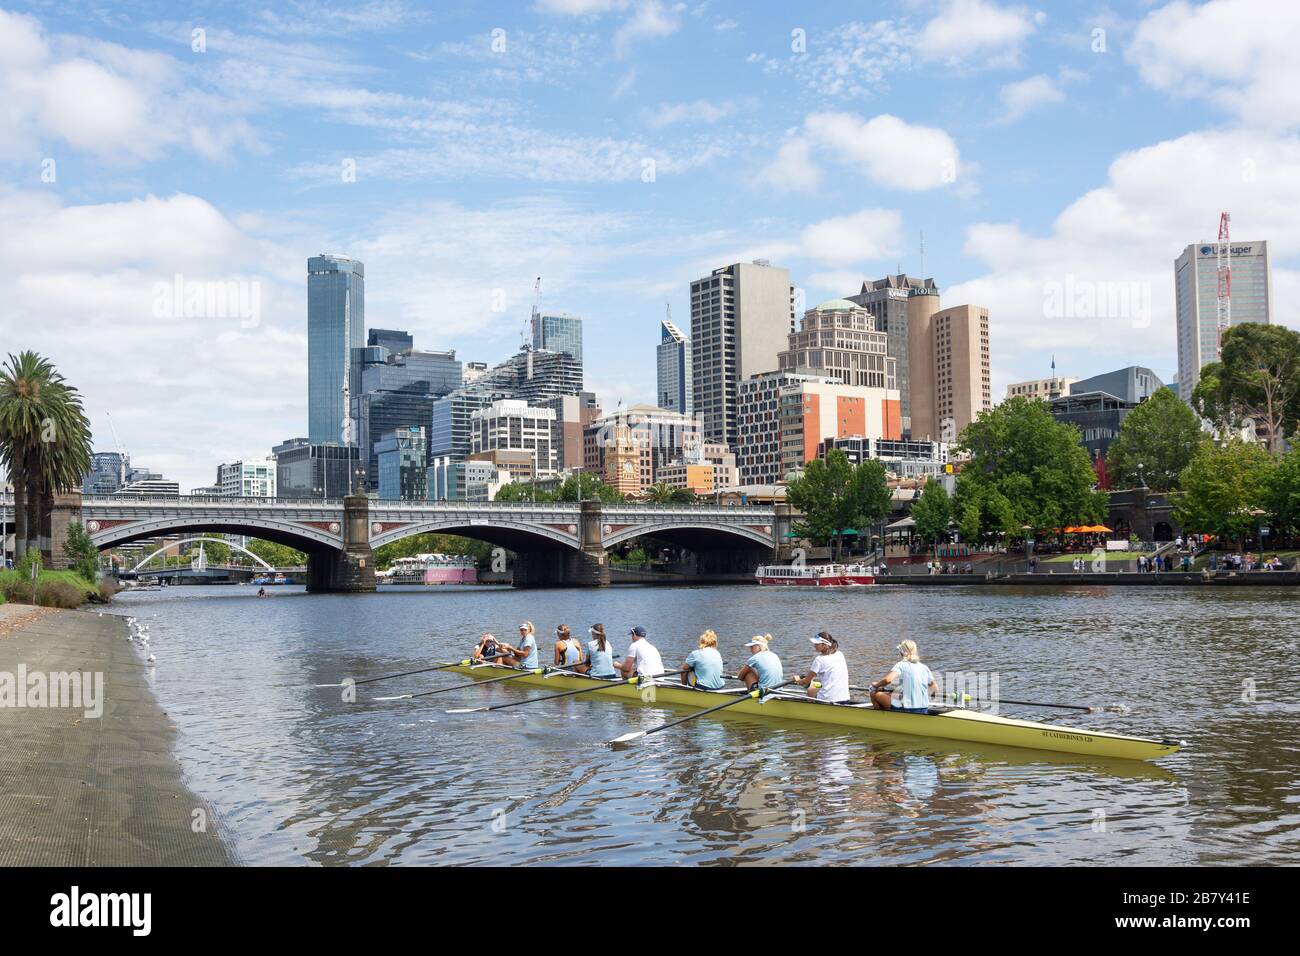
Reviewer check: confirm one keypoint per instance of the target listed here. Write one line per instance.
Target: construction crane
(537, 299)
(1223, 258)
(121, 452)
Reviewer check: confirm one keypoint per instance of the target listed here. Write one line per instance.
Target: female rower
(525, 655)
(600, 654)
(488, 649)
(568, 652)
(764, 667)
(914, 680)
(704, 665)
(830, 668)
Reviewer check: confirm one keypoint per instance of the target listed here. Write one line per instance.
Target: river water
(297, 775)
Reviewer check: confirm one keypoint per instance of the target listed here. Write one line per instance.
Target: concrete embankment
(83, 790)
(1098, 578)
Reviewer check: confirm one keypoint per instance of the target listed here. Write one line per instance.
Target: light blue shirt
(768, 667)
(914, 680)
(529, 645)
(602, 662)
(707, 664)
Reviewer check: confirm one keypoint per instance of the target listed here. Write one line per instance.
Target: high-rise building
(534, 375)
(403, 464)
(644, 435)
(512, 425)
(741, 319)
(573, 415)
(674, 353)
(336, 330)
(949, 369)
(391, 339)
(107, 473)
(844, 340)
(557, 332)
(1133, 384)
(247, 479)
(307, 470)
(143, 483)
(758, 447)
(903, 458)
(897, 302)
(810, 411)
(1196, 293)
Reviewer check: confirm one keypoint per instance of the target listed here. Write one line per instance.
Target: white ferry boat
(815, 575)
(433, 569)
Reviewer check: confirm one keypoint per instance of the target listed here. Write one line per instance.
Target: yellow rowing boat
(953, 723)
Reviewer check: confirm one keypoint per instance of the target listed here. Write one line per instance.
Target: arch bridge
(556, 544)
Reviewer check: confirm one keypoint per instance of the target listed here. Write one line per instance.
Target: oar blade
(467, 710)
(329, 685)
(398, 697)
(627, 738)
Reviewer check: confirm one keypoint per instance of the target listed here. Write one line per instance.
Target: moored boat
(814, 575)
(953, 723)
(433, 569)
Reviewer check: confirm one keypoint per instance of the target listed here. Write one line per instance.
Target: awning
(901, 525)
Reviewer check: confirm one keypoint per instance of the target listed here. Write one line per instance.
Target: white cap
(820, 640)
(756, 642)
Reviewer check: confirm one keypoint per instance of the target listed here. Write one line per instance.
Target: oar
(1118, 709)
(473, 683)
(568, 693)
(423, 670)
(756, 694)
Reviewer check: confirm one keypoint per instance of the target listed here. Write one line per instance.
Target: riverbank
(1263, 579)
(83, 790)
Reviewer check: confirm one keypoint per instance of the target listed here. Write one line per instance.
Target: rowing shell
(949, 723)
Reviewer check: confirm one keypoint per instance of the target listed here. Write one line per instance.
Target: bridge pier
(351, 570)
(63, 511)
(586, 568)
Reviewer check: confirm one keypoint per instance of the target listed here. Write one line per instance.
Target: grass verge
(63, 589)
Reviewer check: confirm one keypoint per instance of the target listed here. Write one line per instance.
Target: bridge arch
(176, 544)
(690, 533)
(293, 534)
(512, 534)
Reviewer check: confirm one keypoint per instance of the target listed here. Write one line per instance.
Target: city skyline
(581, 152)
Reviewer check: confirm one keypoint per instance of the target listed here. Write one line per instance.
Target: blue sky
(618, 149)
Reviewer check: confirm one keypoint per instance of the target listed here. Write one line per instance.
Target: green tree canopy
(432, 543)
(834, 495)
(1025, 468)
(1281, 493)
(1155, 443)
(1222, 486)
(1257, 380)
(277, 555)
(583, 485)
(932, 512)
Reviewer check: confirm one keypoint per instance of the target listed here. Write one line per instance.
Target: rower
(703, 666)
(642, 657)
(525, 655)
(830, 668)
(488, 649)
(600, 654)
(764, 667)
(568, 652)
(913, 679)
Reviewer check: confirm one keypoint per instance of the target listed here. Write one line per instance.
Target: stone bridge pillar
(353, 568)
(65, 509)
(782, 525)
(587, 567)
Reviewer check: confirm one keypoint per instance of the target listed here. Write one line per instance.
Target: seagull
(152, 658)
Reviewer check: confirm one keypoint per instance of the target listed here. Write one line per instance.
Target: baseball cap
(639, 631)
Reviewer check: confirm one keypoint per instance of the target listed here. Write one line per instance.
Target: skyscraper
(896, 302)
(675, 391)
(741, 319)
(558, 332)
(336, 326)
(842, 339)
(949, 367)
(1196, 292)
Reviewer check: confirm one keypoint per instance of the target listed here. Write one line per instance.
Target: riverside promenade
(78, 790)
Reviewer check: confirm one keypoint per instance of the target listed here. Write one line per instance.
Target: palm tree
(660, 493)
(44, 441)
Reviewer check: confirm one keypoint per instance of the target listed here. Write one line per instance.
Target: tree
(432, 543)
(1222, 487)
(1155, 443)
(1256, 380)
(1281, 493)
(662, 494)
(277, 555)
(81, 552)
(44, 440)
(932, 512)
(834, 495)
(586, 486)
(1025, 468)
(522, 491)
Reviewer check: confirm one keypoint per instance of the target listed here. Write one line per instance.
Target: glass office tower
(336, 328)
(558, 332)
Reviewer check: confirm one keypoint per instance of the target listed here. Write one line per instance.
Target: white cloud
(651, 20)
(888, 150)
(793, 169)
(1120, 240)
(977, 33)
(1240, 54)
(1027, 95)
(861, 237)
(850, 60)
(699, 111)
(580, 8)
